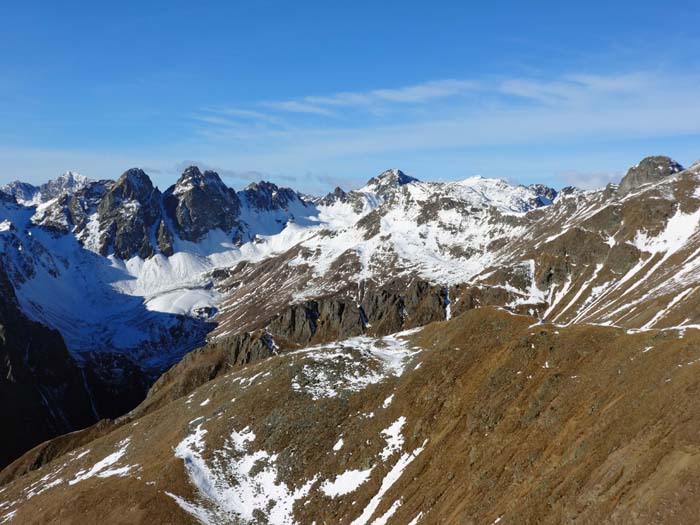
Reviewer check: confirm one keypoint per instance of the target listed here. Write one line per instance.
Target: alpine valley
(406, 353)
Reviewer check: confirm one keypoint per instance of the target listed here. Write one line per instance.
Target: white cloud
(513, 121)
(295, 106)
(414, 94)
(578, 88)
(571, 108)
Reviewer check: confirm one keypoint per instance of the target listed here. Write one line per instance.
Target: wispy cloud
(506, 112)
(575, 126)
(415, 94)
(495, 116)
(575, 88)
(296, 106)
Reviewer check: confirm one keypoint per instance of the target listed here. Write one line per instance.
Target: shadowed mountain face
(160, 296)
(43, 389)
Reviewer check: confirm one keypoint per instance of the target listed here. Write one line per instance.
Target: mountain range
(407, 352)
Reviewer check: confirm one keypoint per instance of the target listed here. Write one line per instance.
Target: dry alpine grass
(494, 419)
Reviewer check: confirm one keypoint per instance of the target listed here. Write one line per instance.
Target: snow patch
(102, 467)
(230, 488)
(345, 483)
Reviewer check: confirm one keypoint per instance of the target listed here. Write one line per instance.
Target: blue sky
(317, 94)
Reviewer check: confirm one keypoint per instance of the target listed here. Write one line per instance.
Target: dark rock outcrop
(545, 195)
(382, 310)
(84, 202)
(266, 196)
(337, 195)
(165, 239)
(650, 169)
(387, 182)
(201, 202)
(128, 214)
(204, 364)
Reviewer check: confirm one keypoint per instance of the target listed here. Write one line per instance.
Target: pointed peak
(191, 171)
(73, 177)
(133, 174)
(337, 195)
(193, 178)
(661, 163)
(392, 177)
(136, 180)
(262, 185)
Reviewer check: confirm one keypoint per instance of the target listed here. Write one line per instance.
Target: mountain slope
(134, 278)
(43, 390)
(480, 419)
(600, 257)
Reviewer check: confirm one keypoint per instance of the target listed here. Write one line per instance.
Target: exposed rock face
(41, 386)
(73, 205)
(390, 179)
(165, 239)
(545, 195)
(128, 214)
(56, 217)
(266, 196)
(200, 202)
(68, 183)
(650, 169)
(381, 311)
(337, 195)
(319, 320)
(85, 202)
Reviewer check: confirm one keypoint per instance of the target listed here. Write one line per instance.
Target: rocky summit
(406, 352)
(190, 202)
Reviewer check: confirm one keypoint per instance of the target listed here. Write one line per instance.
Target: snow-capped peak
(30, 195)
(68, 182)
(391, 178)
(72, 178)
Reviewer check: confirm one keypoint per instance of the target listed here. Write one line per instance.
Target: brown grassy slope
(533, 424)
